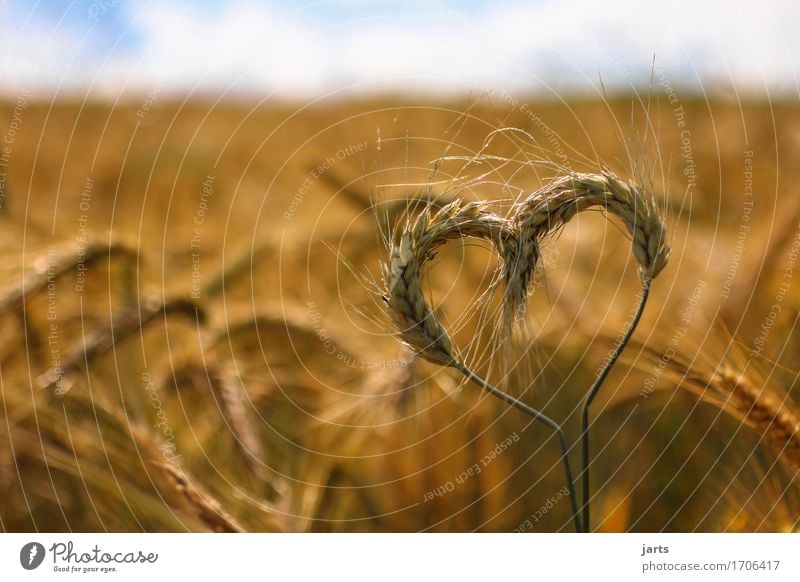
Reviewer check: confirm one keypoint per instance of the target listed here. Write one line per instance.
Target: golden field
(192, 340)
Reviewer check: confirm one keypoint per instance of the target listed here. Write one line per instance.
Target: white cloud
(524, 46)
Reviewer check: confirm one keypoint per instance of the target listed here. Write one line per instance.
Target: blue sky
(316, 47)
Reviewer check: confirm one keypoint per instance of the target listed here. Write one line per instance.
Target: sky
(307, 48)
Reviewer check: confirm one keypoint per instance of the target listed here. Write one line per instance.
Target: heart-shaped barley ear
(545, 212)
(416, 244)
(414, 320)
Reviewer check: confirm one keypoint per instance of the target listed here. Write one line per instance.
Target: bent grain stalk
(414, 319)
(102, 340)
(545, 212)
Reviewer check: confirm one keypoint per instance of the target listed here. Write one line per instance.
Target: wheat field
(196, 335)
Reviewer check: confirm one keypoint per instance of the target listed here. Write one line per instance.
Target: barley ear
(418, 242)
(413, 318)
(543, 214)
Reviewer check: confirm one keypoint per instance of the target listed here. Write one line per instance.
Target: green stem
(541, 417)
(592, 393)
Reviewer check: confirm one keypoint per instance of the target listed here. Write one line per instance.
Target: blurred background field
(191, 343)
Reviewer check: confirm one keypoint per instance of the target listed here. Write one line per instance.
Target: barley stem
(541, 417)
(592, 393)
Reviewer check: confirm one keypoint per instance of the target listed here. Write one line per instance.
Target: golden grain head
(417, 244)
(547, 210)
(550, 208)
